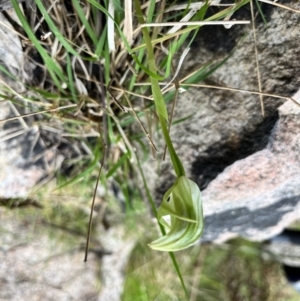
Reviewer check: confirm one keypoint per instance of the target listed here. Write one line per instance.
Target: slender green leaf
(145, 69)
(54, 29)
(71, 81)
(115, 167)
(85, 22)
(261, 12)
(5, 71)
(53, 69)
(101, 41)
(151, 10)
(105, 11)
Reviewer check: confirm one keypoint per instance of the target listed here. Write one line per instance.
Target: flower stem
(178, 167)
(158, 97)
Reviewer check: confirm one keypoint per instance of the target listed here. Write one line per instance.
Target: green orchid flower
(182, 202)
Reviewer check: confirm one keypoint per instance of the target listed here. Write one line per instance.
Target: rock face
(226, 125)
(286, 248)
(258, 196)
(45, 262)
(35, 266)
(246, 164)
(24, 160)
(24, 157)
(6, 4)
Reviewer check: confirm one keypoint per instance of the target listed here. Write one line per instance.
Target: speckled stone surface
(35, 265)
(260, 195)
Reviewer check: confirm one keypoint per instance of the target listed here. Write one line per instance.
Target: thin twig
(93, 205)
(200, 23)
(281, 5)
(241, 90)
(122, 133)
(140, 123)
(40, 112)
(173, 105)
(256, 60)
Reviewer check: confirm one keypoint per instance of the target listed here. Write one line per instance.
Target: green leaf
(54, 29)
(53, 69)
(105, 11)
(145, 69)
(117, 165)
(85, 22)
(71, 81)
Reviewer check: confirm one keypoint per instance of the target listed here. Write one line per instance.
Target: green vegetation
(237, 271)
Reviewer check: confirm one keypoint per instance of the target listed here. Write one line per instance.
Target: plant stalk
(158, 97)
(163, 116)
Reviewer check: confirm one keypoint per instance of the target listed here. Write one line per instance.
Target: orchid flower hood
(182, 202)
